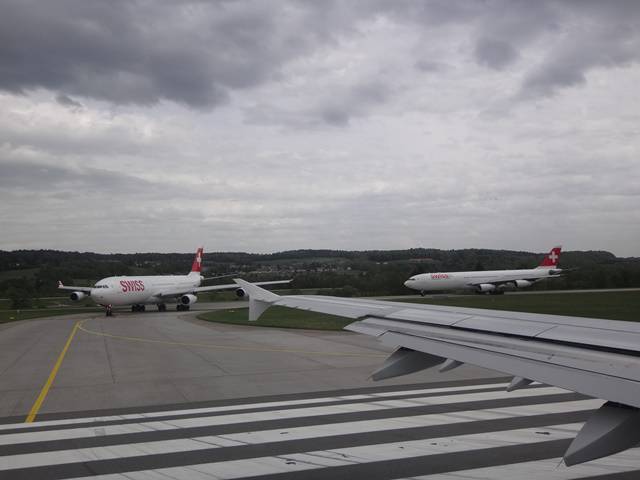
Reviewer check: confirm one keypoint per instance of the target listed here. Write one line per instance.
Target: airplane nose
(407, 283)
(97, 296)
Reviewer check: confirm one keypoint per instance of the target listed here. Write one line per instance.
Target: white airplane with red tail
(493, 281)
(153, 290)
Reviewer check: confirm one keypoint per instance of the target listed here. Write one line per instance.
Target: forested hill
(350, 272)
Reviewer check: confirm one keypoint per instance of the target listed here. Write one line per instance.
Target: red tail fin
(197, 262)
(551, 260)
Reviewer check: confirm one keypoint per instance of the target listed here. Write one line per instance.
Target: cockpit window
(101, 286)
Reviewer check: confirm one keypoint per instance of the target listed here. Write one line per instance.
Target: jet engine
(523, 283)
(188, 299)
(486, 287)
(240, 293)
(77, 296)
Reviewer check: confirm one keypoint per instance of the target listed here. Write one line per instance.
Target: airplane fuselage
(472, 280)
(118, 291)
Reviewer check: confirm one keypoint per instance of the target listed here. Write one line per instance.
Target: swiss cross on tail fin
(551, 259)
(196, 267)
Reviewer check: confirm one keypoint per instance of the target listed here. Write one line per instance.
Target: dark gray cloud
(495, 54)
(21, 175)
(428, 13)
(335, 107)
(41, 177)
(589, 35)
(196, 53)
(132, 52)
(68, 101)
(355, 101)
(569, 64)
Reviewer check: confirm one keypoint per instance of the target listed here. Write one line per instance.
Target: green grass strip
(280, 317)
(608, 305)
(7, 316)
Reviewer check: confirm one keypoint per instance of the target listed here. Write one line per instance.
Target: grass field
(609, 305)
(45, 307)
(15, 315)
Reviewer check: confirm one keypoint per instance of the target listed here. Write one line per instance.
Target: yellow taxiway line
(80, 326)
(52, 376)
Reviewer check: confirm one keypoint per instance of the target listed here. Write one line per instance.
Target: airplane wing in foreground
(595, 357)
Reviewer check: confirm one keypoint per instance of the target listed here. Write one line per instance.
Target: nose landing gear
(108, 311)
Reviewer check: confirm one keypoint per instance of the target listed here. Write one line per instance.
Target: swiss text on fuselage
(132, 285)
(438, 276)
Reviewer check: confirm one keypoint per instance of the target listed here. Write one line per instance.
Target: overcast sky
(264, 126)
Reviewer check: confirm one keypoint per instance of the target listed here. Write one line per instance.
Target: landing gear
(422, 293)
(182, 308)
(162, 307)
(138, 308)
(108, 311)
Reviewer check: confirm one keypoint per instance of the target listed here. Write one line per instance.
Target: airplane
(156, 289)
(492, 282)
(595, 357)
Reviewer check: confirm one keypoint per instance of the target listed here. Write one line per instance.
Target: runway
(152, 358)
(454, 430)
(164, 395)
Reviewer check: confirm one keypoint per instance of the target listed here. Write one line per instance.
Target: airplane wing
(599, 358)
(175, 292)
(500, 283)
(86, 290)
(226, 275)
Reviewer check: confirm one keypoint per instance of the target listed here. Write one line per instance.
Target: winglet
(259, 298)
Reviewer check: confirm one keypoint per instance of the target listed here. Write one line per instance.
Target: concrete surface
(152, 358)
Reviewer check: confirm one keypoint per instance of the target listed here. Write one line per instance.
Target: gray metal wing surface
(595, 357)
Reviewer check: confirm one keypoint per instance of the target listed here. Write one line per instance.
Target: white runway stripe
(350, 456)
(548, 469)
(39, 436)
(246, 406)
(276, 435)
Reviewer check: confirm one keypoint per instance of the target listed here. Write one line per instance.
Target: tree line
(34, 273)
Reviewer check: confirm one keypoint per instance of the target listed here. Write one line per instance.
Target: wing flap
(601, 337)
(595, 384)
(503, 325)
(602, 362)
(426, 316)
